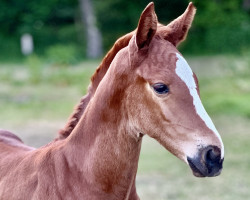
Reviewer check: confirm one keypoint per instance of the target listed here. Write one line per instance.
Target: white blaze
(186, 74)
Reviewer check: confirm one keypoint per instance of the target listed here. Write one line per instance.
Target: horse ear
(177, 30)
(146, 27)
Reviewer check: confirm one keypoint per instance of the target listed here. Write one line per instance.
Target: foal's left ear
(177, 30)
(147, 26)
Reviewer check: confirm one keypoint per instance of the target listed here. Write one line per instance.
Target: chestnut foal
(147, 89)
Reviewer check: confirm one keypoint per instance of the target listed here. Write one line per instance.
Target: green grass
(36, 99)
(224, 84)
(229, 95)
(46, 92)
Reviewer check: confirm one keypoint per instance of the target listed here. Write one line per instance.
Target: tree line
(219, 27)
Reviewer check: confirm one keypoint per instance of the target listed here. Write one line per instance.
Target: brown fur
(95, 80)
(99, 159)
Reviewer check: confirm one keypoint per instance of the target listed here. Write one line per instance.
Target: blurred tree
(220, 26)
(246, 5)
(94, 39)
(48, 21)
(117, 17)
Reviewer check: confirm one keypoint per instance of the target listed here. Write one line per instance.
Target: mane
(95, 80)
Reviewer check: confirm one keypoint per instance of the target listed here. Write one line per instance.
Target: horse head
(158, 94)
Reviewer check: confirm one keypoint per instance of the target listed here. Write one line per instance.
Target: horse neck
(95, 80)
(102, 144)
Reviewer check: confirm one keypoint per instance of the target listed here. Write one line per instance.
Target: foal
(148, 89)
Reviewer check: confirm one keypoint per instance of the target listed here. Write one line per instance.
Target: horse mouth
(195, 170)
(200, 171)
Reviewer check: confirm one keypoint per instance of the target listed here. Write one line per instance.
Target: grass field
(36, 100)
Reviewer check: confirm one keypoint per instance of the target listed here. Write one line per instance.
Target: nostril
(212, 155)
(212, 160)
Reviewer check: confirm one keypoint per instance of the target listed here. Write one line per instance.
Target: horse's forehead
(161, 61)
(163, 55)
(161, 45)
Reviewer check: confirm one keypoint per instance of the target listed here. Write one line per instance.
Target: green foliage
(219, 26)
(62, 54)
(115, 18)
(50, 22)
(19, 17)
(9, 48)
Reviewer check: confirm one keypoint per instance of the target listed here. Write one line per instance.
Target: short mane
(95, 80)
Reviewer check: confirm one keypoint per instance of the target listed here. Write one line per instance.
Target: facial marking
(186, 74)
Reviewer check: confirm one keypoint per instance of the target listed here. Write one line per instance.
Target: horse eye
(160, 88)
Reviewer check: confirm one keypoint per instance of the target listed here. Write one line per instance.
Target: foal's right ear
(146, 27)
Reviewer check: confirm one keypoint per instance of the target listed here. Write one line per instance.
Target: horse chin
(199, 174)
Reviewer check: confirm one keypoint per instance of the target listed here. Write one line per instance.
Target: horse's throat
(107, 153)
(116, 166)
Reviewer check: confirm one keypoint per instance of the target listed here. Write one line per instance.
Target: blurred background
(50, 48)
